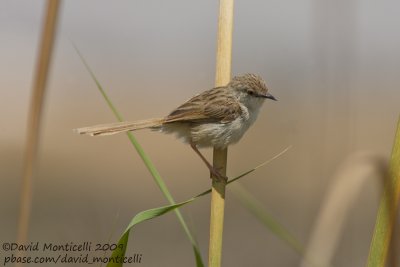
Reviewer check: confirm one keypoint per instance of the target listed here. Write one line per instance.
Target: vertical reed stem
(223, 75)
(34, 117)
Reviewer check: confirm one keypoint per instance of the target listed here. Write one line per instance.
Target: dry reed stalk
(223, 75)
(34, 117)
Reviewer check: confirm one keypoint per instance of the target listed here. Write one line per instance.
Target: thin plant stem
(223, 75)
(34, 117)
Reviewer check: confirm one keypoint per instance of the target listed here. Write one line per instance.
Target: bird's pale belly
(218, 134)
(210, 134)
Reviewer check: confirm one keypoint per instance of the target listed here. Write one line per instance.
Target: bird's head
(250, 89)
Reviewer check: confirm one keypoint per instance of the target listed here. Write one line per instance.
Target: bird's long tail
(119, 127)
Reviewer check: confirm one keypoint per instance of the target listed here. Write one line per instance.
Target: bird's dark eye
(251, 92)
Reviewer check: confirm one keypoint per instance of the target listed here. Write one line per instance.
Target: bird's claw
(215, 173)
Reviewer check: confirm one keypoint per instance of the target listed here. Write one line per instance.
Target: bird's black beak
(268, 95)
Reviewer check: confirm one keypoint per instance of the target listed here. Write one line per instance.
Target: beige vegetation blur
(332, 64)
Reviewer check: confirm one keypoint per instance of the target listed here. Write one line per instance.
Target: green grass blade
(386, 217)
(150, 166)
(119, 253)
(156, 212)
(139, 218)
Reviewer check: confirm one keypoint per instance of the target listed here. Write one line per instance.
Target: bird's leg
(213, 170)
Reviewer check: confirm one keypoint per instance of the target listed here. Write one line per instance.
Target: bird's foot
(216, 174)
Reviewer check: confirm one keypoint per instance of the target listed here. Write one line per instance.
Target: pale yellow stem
(223, 75)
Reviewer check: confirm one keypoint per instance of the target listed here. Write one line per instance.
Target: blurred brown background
(333, 65)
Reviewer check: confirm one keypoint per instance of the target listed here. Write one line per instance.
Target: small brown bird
(217, 117)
